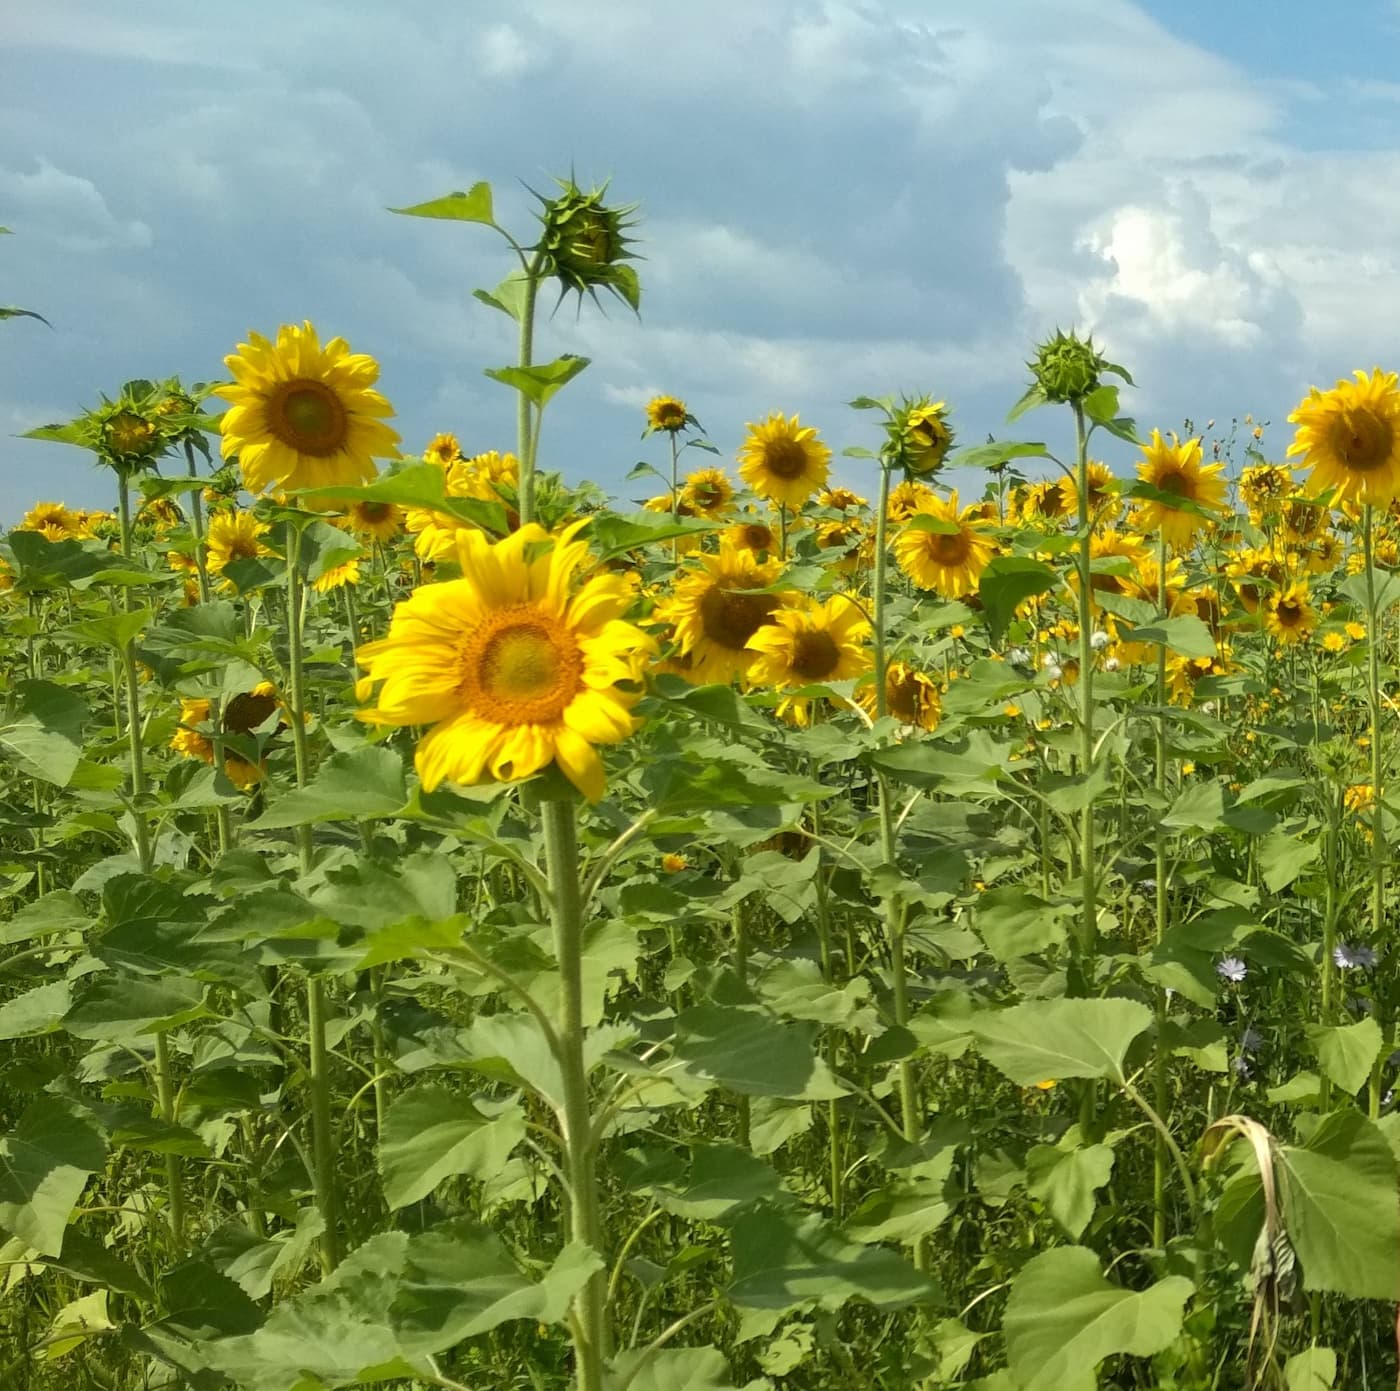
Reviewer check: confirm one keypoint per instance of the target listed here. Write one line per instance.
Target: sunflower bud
(1067, 368)
(585, 242)
(919, 436)
(129, 439)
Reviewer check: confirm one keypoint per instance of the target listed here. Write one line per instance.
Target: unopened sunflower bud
(1067, 368)
(585, 243)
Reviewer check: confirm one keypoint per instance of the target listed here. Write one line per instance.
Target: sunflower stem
(1378, 843)
(589, 1324)
(1089, 918)
(1160, 1079)
(165, 1087)
(318, 1077)
(527, 427)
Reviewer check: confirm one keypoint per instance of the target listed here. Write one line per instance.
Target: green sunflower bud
(585, 243)
(1067, 368)
(920, 436)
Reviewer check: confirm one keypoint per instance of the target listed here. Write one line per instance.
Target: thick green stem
(165, 1086)
(590, 1330)
(877, 605)
(318, 1078)
(526, 425)
(1378, 841)
(1088, 889)
(1160, 1061)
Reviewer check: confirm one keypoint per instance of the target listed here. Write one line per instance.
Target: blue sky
(839, 197)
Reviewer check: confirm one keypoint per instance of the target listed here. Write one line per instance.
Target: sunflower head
(1067, 368)
(1350, 438)
(304, 414)
(380, 521)
(513, 666)
(442, 450)
(666, 413)
(919, 436)
(708, 492)
(1181, 494)
(944, 549)
(783, 461)
(1289, 616)
(585, 241)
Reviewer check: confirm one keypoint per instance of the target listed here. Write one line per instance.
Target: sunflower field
(921, 921)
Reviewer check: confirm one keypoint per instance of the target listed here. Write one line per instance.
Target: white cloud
(67, 210)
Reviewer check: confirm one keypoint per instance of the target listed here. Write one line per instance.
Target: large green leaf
(750, 1052)
(1063, 1319)
(1345, 1052)
(123, 1010)
(43, 731)
(782, 1263)
(1313, 1369)
(1066, 1179)
(674, 1369)
(1049, 1040)
(362, 785)
(1007, 582)
(540, 382)
(431, 1134)
(44, 1166)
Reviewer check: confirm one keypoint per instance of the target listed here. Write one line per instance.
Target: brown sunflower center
(309, 417)
(375, 511)
(758, 537)
(815, 656)
(522, 666)
(785, 459)
(1363, 440)
(730, 620)
(1290, 613)
(242, 546)
(1175, 482)
(949, 547)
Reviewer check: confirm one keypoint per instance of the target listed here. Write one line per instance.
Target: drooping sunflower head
(919, 436)
(841, 499)
(708, 492)
(1257, 573)
(1350, 438)
(714, 611)
(783, 461)
(1289, 616)
(443, 449)
(337, 576)
(1177, 475)
(1037, 503)
(911, 696)
(513, 665)
(907, 498)
(304, 415)
(1184, 674)
(943, 549)
(666, 413)
(1263, 488)
(1113, 557)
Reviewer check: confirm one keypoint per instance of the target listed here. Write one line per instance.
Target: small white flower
(1099, 640)
(1112, 664)
(1049, 660)
(1053, 672)
(1208, 708)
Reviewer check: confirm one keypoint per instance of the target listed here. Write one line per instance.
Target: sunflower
(191, 742)
(784, 461)
(1256, 574)
(1176, 470)
(304, 415)
(1322, 554)
(714, 617)
(812, 645)
(1112, 551)
(707, 492)
(512, 668)
(1350, 438)
(666, 413)
(338, 576)
(1288, 616)
(55, 521)
(1105, 494)
(1263, 487)
(907, 498)
(910, 696)
(840, 499)
(379, 521)
(948, 562)
(233, 536)
(443, 449)
(1183, 673)
(752, 535)
(435, 533)
(1042, 502)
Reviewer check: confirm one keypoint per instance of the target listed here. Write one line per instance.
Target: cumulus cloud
(68, 210)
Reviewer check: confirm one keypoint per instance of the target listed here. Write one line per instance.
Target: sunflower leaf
(475, 205)
(1006, 583)
(10, 311)
(541, 382)
(997, 452)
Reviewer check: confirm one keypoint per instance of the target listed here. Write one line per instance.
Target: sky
(838, 198)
